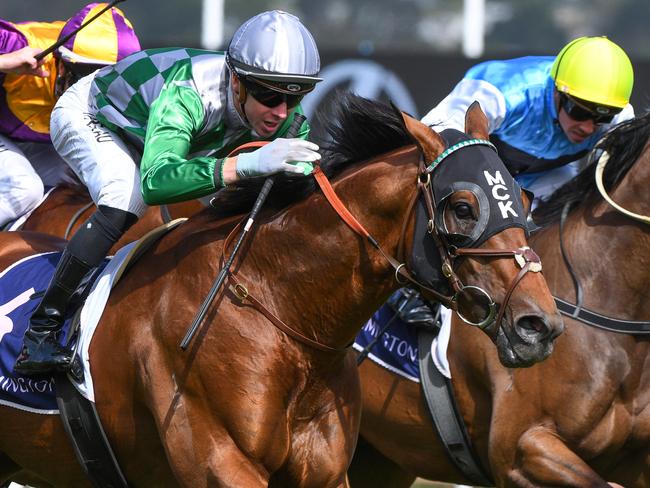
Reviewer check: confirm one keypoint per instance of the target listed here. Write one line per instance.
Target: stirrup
(42, 355)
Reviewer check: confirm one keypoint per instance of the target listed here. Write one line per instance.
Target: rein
(574, 276)
(292, 131)
(73, 220)
(525, 257)
(241, 292)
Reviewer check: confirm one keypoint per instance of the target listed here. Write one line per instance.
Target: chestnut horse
(577, 419)
(267, 395)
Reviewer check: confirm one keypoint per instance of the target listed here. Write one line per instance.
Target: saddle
(78, 414)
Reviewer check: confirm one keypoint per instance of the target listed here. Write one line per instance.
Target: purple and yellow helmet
(106, 40)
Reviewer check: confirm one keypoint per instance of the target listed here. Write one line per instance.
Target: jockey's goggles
(583, 110)
(272, 94)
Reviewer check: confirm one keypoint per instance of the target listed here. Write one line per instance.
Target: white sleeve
(450, 113)
(626, 114)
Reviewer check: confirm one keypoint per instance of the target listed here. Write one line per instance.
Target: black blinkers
(479, 170)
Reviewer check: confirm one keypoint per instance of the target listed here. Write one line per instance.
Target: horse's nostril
(533, 325)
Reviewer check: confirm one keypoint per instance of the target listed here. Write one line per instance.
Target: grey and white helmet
(274, 48)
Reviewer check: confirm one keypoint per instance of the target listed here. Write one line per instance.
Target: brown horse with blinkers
(267, 394)
(582, 416)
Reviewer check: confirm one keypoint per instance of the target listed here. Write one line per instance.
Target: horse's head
(470, 242)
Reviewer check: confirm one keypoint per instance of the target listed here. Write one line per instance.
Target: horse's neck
(319, 276)
(607, 250)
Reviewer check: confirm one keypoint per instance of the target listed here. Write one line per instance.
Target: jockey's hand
(277, 156)
(22, 62)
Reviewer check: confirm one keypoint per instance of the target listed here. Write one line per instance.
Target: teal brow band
(444, 154)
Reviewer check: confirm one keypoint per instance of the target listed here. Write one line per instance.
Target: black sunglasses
(581, 113)
(271, 98)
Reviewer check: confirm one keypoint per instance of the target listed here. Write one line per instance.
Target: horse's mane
(624, 144)
(355, 129)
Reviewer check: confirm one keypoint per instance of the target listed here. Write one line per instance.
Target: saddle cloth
(397, 350)
(18, 283)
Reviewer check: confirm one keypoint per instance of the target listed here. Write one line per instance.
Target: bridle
(525, 257)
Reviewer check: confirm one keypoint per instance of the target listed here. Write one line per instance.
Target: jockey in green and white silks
(530, 101)
(170, 110)
(156, 128)
(204, 122)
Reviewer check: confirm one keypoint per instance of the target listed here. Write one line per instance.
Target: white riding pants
(101, 160)
(25, 169)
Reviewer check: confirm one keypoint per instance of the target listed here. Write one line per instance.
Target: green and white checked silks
(173, 104)
(124, 94)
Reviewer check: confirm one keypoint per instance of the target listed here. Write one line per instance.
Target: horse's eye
(463, 211)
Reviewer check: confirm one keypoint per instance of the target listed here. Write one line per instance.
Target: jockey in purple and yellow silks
(28, 162)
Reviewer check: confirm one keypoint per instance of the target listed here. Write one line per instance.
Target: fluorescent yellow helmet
(596, 70)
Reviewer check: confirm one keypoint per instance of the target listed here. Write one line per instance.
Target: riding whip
(297, 122)
(65, 39)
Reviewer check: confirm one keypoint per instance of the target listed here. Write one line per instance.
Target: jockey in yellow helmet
(595, 71)
(545, 112)
(594, 77)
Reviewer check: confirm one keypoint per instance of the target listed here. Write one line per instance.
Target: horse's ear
(527, 198)
(476, 123)
(427, 140)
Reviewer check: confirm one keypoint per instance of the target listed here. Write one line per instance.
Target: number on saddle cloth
(417, 312)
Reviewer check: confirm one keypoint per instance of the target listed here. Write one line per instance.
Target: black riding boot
(41, 350)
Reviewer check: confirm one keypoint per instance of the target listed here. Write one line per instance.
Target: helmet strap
(62, 80)
(242, 94)
(557, 100)
(241, 98)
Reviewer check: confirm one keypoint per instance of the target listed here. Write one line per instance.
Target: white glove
(275, 157)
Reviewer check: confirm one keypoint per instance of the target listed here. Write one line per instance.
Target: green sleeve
(167, 175)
